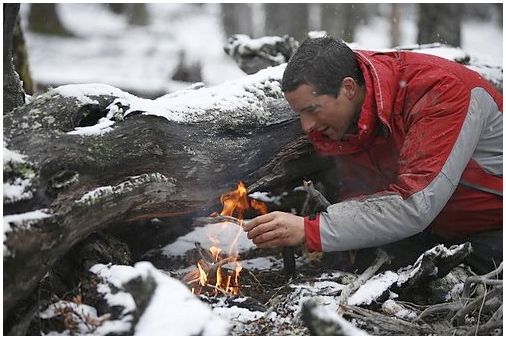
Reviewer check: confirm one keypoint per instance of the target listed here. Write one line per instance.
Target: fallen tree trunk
(152, 159)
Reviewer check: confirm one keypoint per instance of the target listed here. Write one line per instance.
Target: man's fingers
(261, 219)
(261, 229)
(273, 241)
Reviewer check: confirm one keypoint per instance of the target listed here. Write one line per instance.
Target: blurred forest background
(152, 49)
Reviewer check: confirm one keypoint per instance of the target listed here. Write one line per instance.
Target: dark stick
(289, 261)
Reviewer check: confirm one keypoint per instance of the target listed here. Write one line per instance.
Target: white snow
(84, 92)
(240, 314)
(12, 156)
(103, 126)
(267, 197)
(262, 264)
(187, 315)
(373, 288)
(17, 190)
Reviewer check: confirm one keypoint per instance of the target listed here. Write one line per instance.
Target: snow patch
(373, 288)
(12, 156)
(266, 197)
(172, 309)
(103, 126)
(262, 264)
(17, 190)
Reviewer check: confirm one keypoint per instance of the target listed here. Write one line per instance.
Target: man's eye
(312, 108)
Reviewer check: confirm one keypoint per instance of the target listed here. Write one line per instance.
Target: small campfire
(216, 271)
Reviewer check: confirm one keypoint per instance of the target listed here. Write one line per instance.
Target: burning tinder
(216, 272)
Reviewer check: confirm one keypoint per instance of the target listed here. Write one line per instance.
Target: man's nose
(307, 123)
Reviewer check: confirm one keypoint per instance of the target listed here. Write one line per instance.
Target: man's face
(327, 114)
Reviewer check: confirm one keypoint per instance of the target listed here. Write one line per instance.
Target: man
(418, 146)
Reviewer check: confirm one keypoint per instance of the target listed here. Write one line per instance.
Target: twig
(479, 312)
(254, 277)
(484, 279)
(217, 288)
(315, 194)
(381, 258)
(202, 221)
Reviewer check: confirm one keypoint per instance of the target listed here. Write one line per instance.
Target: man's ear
(349, 87)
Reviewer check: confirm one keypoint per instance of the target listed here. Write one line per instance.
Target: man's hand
(276, 229)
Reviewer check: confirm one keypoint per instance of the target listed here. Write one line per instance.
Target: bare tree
(440, 23)
(43, 18)
(395, 25)
(12, 91)
(138, 14)
(291, 19)
(20, 58)
(237, 19)
(341, 20)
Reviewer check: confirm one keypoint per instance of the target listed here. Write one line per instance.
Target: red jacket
(428, 152)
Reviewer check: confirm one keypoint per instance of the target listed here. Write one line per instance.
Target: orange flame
(235, 203)
(202, 274)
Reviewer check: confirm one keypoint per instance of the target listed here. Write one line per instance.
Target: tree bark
(12, 91)
(440, 23)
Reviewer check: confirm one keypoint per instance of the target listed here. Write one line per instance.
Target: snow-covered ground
(143, 59)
